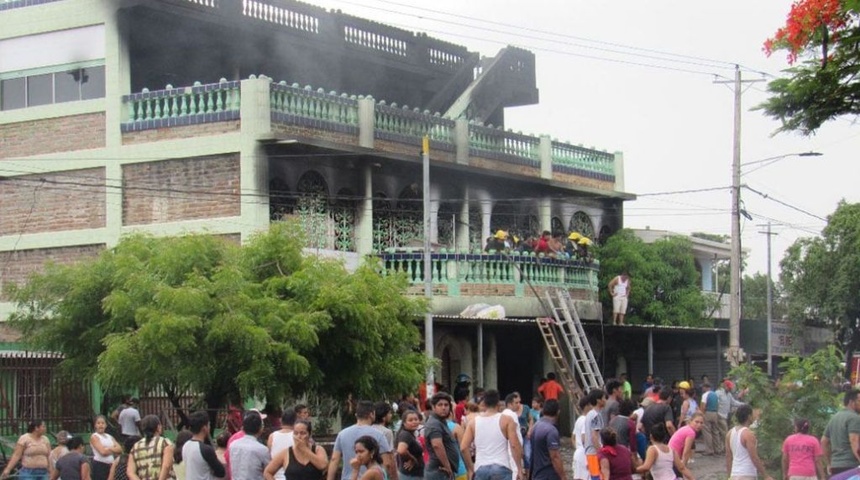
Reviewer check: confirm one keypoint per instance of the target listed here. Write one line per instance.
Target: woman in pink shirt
(684, 440)
(802, 457)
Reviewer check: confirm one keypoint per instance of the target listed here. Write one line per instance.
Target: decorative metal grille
(312, 208)
(446, 221)
(409, 216)
(343, 214)
(382, 218)
(557, 227)
(476, 220)
(581, 222)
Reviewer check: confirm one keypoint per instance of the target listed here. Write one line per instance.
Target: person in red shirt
(542, 244)
(550, 390)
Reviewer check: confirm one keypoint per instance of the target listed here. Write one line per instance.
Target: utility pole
(735, 354)
(769, 303)
(428, 277)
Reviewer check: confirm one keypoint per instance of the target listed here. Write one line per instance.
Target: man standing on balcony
(619, 289)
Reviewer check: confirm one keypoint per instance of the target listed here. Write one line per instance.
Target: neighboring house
(708, 255)
(160, 116)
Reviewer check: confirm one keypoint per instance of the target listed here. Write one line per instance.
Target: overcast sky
(674, 127)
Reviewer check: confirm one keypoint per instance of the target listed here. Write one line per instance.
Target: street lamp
(735, 354)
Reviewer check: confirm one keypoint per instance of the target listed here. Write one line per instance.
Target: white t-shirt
(578, 431)
(280, 442)
(510, 413)
(128, 419)
(107, 442)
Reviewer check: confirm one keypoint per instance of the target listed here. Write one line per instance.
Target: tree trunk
(173, 397)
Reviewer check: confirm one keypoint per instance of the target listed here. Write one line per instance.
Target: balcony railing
(582, 161)
(339, 112)
(315, 109)
(214, 102)
(493, 268)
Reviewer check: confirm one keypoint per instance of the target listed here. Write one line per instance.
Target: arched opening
(382, 219)
(580, 222)
(557, 227)
(446, 224)
(281, 202)
(409, 218)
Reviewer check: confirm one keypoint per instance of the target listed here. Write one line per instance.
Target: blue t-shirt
(345, 444)
(544, 439)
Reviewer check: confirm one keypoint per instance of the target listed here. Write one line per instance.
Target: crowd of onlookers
(476, 435)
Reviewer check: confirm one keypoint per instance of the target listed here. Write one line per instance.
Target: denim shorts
(494, 472)
(33, 474)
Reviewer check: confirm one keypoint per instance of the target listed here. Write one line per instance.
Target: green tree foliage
(754, 298)
(824, 85)
(666, 285)
(809, 388)
(821, 276)
(197, 313)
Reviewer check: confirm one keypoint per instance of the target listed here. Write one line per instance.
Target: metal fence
(32, 387)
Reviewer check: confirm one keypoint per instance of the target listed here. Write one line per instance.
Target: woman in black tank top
(304, 460)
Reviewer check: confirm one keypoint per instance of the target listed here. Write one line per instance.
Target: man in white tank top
(619, 289)
(493, 434)
(742, 460)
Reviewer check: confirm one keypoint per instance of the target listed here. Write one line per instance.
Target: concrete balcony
(518, 282)
(349, 122)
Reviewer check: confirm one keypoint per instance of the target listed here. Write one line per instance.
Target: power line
(716, 63)
(680, 192)
(797, 209)
(661, 56)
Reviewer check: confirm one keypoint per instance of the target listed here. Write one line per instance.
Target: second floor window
(56, 87)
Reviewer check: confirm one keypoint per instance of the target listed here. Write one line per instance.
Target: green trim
(52, 69)
(7, 346)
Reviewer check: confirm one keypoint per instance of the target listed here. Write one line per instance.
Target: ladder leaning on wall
(566, 341)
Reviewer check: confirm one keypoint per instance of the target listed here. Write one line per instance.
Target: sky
(606, 81)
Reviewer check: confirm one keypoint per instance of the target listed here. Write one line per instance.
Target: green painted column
(364, 217)
(461, 140)
(463, 225)
(619, 171)
(545, 155)
(545, 213)
(255, 111)
(366, 121)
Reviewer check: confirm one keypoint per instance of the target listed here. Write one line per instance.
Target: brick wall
(186, 131)
(499, 166)
(183, 189)
(62, 134)
(52, 202)
(582, 181)
(16, 267)
(316, 134)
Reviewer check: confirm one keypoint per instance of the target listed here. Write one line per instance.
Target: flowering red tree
(822, 38)
(809, 23)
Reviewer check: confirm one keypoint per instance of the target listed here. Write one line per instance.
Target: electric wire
(672, 56)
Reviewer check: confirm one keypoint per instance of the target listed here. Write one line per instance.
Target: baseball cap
(258, 412)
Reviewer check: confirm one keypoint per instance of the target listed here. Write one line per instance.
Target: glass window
(40, 89)
(92, 82)
(67, 87)
(13, 93)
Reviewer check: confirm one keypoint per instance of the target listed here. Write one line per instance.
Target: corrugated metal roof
(28, 354)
